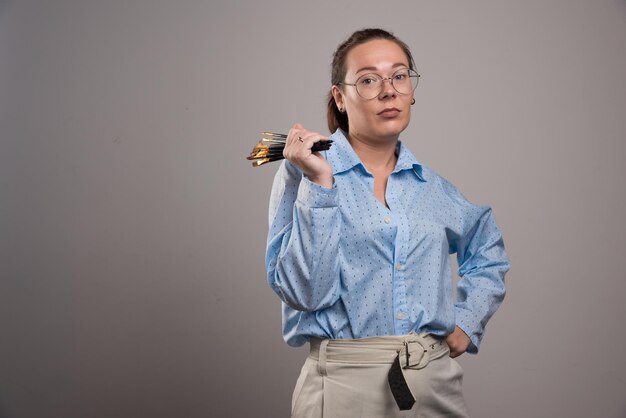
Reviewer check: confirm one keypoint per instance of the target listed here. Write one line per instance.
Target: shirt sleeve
(302, 244)
(482, 261)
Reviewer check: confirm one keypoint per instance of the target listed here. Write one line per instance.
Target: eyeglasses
(369, 86)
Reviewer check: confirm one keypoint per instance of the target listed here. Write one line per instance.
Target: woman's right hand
(312, 164)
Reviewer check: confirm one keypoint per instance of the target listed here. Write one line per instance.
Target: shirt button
(387, 219)
(398, 266)
(400, 315)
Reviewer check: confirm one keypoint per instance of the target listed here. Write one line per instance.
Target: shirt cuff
(315, 196)
(465, 322)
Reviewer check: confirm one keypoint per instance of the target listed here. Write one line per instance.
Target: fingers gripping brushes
(270, 148)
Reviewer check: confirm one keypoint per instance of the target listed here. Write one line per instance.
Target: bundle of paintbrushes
(270, 148)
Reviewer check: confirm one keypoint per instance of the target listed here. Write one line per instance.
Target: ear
(338, 96)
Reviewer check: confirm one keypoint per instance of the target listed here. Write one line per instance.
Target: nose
(387, 89)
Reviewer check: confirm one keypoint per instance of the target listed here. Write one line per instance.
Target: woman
(358, 252)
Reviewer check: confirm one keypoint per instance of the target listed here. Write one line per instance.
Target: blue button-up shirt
(346, 266)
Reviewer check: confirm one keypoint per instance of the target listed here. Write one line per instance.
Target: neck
(375, 155)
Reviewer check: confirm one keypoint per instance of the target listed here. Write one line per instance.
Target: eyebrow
(397, 64)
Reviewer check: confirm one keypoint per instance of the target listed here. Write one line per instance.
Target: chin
(392, 128)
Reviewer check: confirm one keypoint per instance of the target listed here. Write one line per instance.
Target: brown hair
(335, 118)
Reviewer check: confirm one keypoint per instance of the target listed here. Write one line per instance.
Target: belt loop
(321, 362)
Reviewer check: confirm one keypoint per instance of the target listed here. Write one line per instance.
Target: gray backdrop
(132, 229)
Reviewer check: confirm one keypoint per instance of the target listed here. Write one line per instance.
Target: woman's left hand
(458, 342)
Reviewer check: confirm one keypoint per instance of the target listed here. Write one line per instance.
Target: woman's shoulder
(440, 184)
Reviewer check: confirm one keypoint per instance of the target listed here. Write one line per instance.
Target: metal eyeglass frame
(412, 73)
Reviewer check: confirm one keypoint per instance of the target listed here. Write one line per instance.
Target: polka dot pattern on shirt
(346, 266)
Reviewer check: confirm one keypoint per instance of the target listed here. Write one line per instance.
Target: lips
(389, 112)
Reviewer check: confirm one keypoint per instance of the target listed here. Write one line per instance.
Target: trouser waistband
(414, 350)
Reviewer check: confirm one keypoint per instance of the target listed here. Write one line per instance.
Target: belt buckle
(416, 358)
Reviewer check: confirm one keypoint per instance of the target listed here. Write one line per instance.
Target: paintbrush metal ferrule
(263, 154)
(274, 134)
(260, 162)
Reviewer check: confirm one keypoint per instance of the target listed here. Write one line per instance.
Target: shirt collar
(342, 157)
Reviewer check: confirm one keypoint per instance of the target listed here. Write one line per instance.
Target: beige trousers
(348, 378)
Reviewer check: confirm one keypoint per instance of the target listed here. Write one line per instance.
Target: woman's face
(385, 116)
